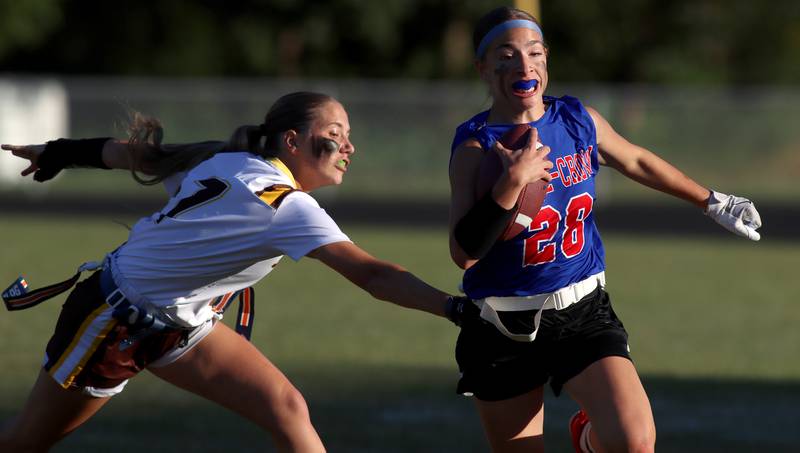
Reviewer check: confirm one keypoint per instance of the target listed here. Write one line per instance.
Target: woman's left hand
(30, 152)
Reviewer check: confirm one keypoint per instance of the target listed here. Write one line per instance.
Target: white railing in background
(742, 140)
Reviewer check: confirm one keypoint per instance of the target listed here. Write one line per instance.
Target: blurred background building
(710, 85)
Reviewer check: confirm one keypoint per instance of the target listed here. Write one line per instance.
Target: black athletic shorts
(494, 367)
(84, 351)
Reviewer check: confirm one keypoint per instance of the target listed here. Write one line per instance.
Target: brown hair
(495, 17)
(294, 111)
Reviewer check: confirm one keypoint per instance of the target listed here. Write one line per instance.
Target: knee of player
(639, 440)
(645, 441)
(642, 445)
(290, 406)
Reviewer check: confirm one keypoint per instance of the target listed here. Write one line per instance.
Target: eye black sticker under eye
(324, 145)
(501, 68)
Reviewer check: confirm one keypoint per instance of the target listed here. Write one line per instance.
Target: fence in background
(742, 140)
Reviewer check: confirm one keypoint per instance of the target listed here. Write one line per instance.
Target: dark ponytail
(149, 156)
(248, 138)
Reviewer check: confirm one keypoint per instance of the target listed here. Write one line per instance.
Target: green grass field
(713, 326)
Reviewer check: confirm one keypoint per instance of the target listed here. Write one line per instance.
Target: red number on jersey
(577, 209)
(537, 249)
(540, 248)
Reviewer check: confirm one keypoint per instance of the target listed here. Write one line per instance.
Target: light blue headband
(502, 27)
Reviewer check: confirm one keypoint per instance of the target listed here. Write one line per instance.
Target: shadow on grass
(402, 409)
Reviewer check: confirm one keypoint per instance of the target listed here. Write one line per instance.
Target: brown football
(530, 197)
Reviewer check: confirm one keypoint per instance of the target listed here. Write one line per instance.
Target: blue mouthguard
(525, 84)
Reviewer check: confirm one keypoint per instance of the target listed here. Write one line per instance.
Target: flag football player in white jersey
(235, 209)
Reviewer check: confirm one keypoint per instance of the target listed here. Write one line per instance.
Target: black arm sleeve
(64, 153)
(478, 230)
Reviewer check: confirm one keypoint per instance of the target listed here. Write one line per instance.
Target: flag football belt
(17, 297)
(557, 300)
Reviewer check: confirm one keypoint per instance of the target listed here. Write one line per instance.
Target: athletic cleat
(577, 425)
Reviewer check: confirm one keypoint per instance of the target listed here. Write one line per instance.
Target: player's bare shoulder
(470, 149)
(601, 125)
(466, 160)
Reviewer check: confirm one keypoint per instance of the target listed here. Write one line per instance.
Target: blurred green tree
(680, 41)
(26, 25)
(650, 41)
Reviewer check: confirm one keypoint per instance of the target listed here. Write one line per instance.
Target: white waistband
(557, 300)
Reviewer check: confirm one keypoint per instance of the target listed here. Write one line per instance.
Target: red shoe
(577, 424)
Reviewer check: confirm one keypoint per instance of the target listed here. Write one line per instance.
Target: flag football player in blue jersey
(235, 209)
(545, 314)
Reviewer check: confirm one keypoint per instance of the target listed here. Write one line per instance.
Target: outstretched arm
(116, 154)
(48, 159)
(736, 214)
(643, 166)
(383, 280)
(29, 152)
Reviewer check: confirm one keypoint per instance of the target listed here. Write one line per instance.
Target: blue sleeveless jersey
(562, 244)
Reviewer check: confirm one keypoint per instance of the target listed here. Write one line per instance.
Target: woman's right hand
(30, 152)
(523, 166)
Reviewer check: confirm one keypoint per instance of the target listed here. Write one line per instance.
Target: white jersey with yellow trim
(228, 223)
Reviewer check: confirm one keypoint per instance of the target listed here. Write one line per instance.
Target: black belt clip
(139, 321)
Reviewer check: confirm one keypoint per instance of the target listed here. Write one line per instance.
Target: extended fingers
(20, 150)
(31, 168)
(533, 140)
(543, 150)
(14, 147)
(534, 136)
(29, 152)
(547, 176)
(538, 157)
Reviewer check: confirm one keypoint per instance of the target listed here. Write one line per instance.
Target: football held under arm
(501, 189)
(475, 224)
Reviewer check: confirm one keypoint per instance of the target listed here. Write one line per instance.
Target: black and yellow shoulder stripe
(275, 194)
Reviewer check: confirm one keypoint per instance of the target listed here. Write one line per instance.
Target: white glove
(735, 214)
